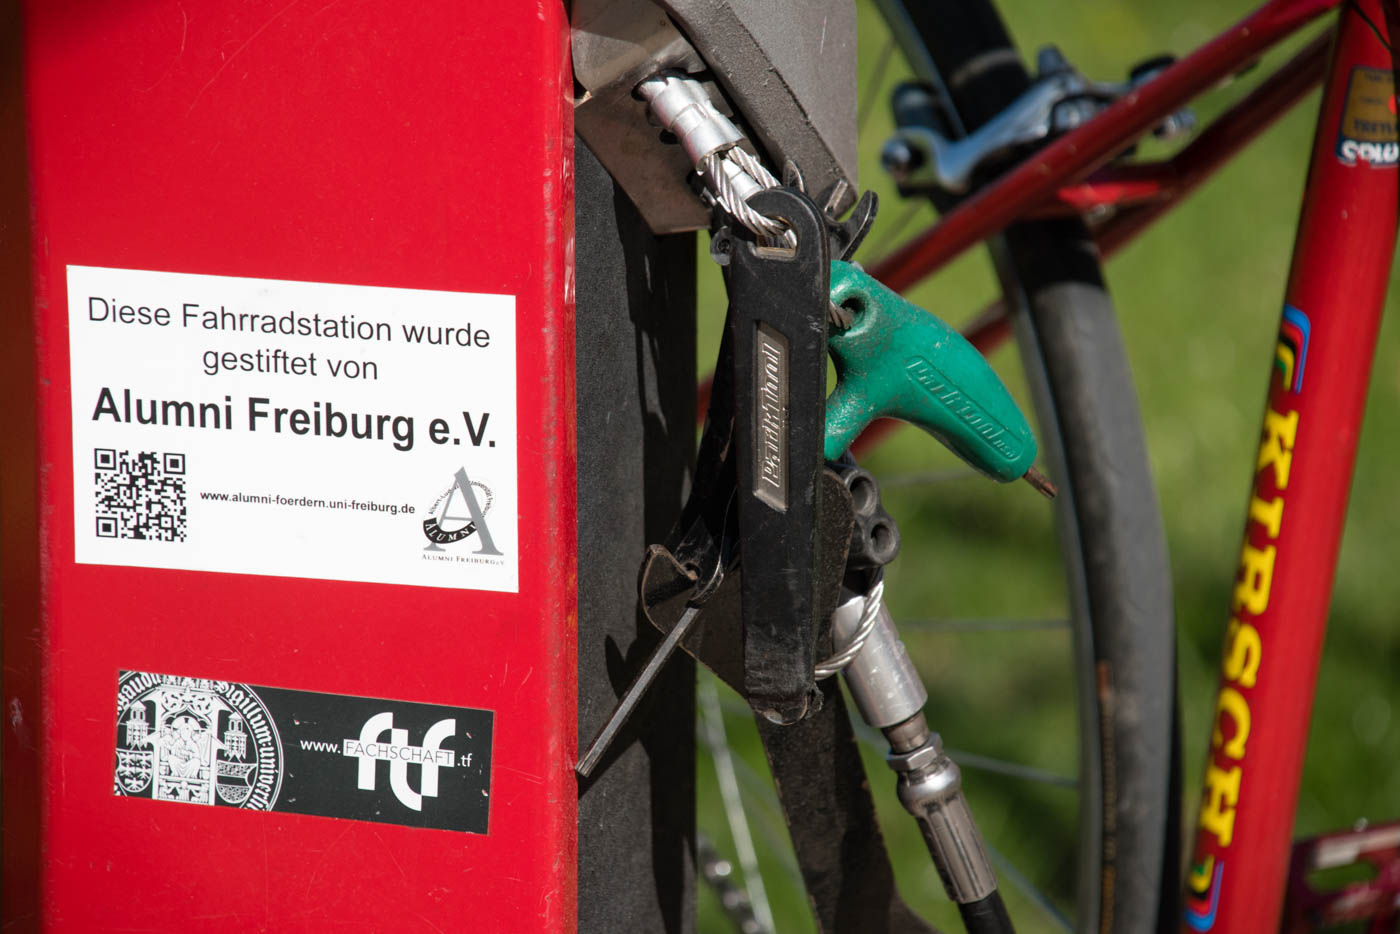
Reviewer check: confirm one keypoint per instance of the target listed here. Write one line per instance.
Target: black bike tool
(777, 328)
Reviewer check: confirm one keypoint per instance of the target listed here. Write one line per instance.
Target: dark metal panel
(635, 347)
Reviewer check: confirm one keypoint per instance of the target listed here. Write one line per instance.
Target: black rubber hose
(987, 915)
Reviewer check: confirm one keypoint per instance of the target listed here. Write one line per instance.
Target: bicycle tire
(1110, 526)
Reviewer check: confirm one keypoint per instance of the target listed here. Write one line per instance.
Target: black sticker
(223, 744)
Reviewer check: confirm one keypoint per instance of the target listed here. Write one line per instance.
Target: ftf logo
(221, 744)
(371, 747)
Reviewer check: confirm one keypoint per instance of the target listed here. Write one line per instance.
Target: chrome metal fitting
(682, 106)
(920, 158)
(916, 760)
(932, 792)
(899, 158)
(883, 681)
(711, 142)
(929, 159)
(744, 185)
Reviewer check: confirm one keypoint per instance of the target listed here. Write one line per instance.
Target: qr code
(140, 494)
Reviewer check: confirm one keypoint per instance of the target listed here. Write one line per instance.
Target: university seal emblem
(197, 741)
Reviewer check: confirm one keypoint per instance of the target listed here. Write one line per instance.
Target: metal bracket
(789, 70)
(921, 158)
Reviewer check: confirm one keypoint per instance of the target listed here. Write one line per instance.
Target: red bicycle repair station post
(289, 467)
(1317, 391)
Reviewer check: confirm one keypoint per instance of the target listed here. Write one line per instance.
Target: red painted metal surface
(371, 144)
(1076, 154)
(1158, 185)
(1111, 186)
(1376, 900)
(1336, 289)
(1236, 128)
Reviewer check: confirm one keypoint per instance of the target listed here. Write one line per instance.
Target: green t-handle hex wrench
(898, 361)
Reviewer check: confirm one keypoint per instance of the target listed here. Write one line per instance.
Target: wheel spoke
(1023, 885)
(877, 82)
(733, 897)
(771, 823)
(928, 477)
(773, 827)
(867, 734)
(973, 625)
(1012, 769)
(712, 720)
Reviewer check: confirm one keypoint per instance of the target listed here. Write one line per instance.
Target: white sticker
(296, 429)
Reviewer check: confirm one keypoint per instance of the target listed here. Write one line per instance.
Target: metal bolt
(898, 158)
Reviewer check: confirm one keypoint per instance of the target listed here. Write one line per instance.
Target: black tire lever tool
(778, 322)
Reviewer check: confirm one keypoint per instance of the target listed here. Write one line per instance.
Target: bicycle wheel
(1111, 544)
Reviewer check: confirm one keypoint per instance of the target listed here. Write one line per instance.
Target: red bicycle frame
(1321, 369)
(1341, 265)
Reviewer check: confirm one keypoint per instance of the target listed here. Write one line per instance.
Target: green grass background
(1199, 300)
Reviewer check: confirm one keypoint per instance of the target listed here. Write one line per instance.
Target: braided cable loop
(733, 185)
(711, 142)
(750, 164)
(869, 614)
